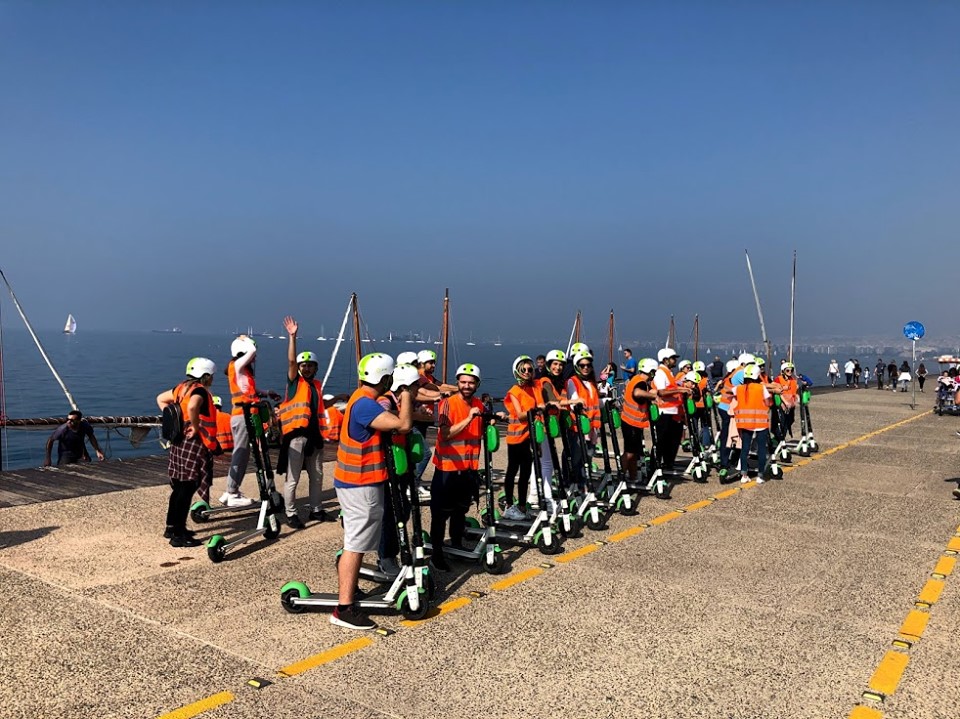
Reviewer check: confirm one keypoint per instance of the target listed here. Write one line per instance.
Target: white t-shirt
(848, 368)
(660, 381)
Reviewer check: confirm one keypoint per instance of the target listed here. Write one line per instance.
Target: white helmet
(666, 353)
(684, 363)
(732, 365)
(426, 356)
(407, 358)
(745, 359)
(751, 371)
(582, 356)
(692, 377)
(307, 357)
(699, 367)
(374, 367)
(405, 375)
(199, 366)
(469, 369)
(217, 402)
(579, 347)
(556, 356)
(648, 366)
(243, 345)
(518, 361)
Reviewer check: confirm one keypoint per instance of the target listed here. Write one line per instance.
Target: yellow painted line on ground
(945, 566)
(204, 705)
(451, 605)
(325, 657)
(698, 505)
(862, 712)
(727, 493)
(888, 674)
(954, 544)
(914, 624)
(931, 591)
(577, 553)
(626, 533)
(517, 578)
(664, 518)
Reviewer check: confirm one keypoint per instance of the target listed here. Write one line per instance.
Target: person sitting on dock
(70, 437)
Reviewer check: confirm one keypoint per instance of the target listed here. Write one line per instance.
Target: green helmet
(648, 366)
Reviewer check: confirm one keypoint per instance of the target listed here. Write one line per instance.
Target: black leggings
(519, 458)
(179, 506)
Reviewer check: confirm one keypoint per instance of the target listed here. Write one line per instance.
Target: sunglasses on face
(584, 365)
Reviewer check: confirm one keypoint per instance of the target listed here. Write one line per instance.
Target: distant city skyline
(212, 166)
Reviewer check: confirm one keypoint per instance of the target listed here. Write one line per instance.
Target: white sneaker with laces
(238, 500)
(423, 492)
(514, 512)
(760, 480)
(744, 479)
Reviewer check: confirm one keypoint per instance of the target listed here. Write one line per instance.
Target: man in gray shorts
(360, 477)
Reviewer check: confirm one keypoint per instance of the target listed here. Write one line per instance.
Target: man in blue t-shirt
(70, 437)
(629, 365)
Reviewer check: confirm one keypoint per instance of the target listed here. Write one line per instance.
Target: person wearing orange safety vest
(191, 457)
(456, 461)
(243, 390)
(789, 395)
(332, 420)
(670, 398)
(360, 476)
(637, 396)
(302, 418)
(752, 415)
(582, 390)
(726, 397)
(703, 413)
(520, 399)
(224, 433)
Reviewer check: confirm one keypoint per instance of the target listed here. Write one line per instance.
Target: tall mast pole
(756, 297)
(672, 335)
(610, 338)
(356, 330)
(793, 300)
(696, 337)
(574, 332)
(445, 332)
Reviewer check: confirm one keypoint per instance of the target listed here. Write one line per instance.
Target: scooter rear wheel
(215, 550)
(287, 604)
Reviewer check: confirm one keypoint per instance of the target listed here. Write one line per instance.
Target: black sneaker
(295, 522)
(170, 531)
(352, 618)
(184, 541)
(318, 515)
(438, 561)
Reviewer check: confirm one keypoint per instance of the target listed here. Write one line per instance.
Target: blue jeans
(724, 428)
(746, 437)
(427, 454)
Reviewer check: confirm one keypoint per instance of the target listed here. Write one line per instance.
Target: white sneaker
(237, 500)
(514, 512)
(744, 479)
(423, 493)
(760, 480)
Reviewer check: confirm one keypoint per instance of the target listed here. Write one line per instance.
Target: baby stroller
(946, 402)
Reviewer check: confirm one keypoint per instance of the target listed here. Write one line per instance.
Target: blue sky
(220, 164)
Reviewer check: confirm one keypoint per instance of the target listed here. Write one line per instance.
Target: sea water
(121, 373)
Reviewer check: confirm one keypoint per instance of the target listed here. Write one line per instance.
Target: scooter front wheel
(596, 520)
(287, 603)
(494, 566)
(573, 531)
(413, 614)
(215, 549)
(552, 548)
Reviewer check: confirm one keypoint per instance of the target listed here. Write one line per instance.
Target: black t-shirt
(70, 442)
(716, 369)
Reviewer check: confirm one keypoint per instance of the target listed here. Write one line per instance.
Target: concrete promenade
(792, 599)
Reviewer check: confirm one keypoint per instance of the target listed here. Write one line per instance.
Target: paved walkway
(789, 599)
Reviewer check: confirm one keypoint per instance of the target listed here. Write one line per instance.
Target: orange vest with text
(518, 430)
(636, 414)
(752, 411)
(331, 427)
(462, 451)
(296, 412)
(588, 394)
(224, 432)
(236, 395)
(360, 462)
(208, 422)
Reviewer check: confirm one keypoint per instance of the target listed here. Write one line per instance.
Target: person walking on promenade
(879, 372)
(629, 365)
(892, 375)
(71, 439)
(360, 476)
(456, 461)
(905, 376)
(302, 415)
(848, 371)
(857, 372)
(191, 457)
(243, 389)
(833, 372)
(921, 375)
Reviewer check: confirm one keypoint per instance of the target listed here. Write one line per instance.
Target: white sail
(322, 336)
(70, 327)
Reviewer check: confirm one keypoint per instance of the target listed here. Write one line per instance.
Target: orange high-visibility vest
(790, 387)
(635, 414)
(461, 452)
(224, 432)
(332, 424)
(726, 387)
(236, 396)
(673, 401)
(588, 394)
(208, 422)
(752, 411)
(295, 412)
(518, 430)
(360, 462)
(702, 384)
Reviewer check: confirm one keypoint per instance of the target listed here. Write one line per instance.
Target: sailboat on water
(70, 328)
(498, 343)
(471, 343)
(322, 337)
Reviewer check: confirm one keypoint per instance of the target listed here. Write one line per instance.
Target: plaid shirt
(190, 461)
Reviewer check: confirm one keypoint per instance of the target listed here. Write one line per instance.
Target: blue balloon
(913, 330)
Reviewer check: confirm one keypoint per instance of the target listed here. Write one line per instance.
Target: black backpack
(172, 424)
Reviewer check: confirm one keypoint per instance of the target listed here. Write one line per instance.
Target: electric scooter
(657, 482)
(563, 516)
(806, 423)
(623, 496)
(255, 415)
(698, 468)
(409, 593)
